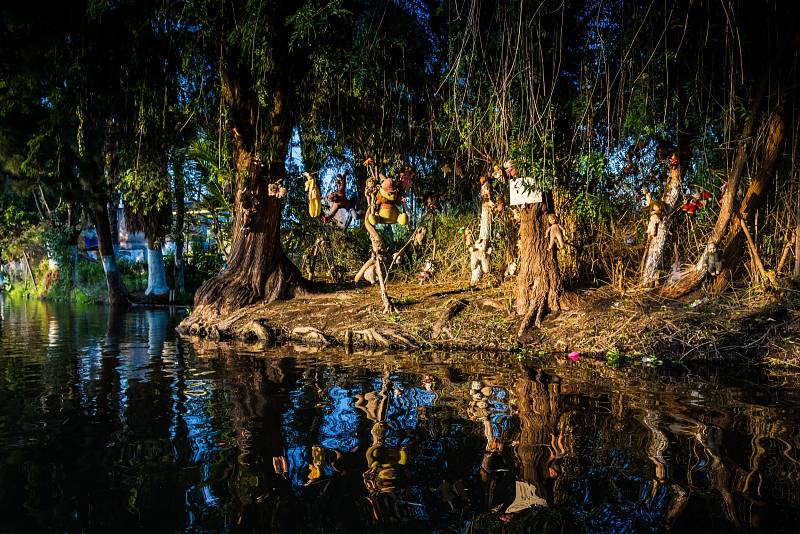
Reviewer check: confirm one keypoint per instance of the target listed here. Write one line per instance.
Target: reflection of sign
(524, 191)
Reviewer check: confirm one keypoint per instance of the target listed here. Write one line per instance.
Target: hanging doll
(426, 273)
(338, 199)
(555, 233)
(314, 196)
(657, 209)
(388, 199)
(479, 260)
(711, 260)
(690, 206)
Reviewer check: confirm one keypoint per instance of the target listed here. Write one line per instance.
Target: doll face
(552, 218)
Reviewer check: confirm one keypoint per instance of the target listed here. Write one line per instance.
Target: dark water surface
(109, 422)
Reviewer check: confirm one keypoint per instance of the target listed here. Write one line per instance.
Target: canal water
(110, 422)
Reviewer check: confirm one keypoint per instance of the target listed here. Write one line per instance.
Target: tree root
(257, 330)
(387, 339)
(536, 309)
(309, 334)
(451, 311)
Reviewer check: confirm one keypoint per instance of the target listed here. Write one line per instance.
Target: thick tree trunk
(117, 293)
(258, 269)
(538, 287)
(658, 244)
(754, 198)
(156, 270)
(180, 215)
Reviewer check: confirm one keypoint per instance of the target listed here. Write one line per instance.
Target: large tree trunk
(538, 287)
(156, 271)
(754, 198)
(180, 214)
(117, 292)
(258, 269)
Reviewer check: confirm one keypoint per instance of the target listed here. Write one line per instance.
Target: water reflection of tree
(259, 481)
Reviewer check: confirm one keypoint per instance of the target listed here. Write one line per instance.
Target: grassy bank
(618, 328)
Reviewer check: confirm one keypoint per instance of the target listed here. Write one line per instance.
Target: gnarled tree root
(309, 334)
(386, 339)
(451, 311)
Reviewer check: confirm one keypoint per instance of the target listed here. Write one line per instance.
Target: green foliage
(592, 206)
(14, 221)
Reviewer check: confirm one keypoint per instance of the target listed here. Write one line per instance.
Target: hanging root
(309, 334)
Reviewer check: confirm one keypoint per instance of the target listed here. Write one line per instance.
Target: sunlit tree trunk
(658, 244)
(538, 288)
(753, 200)
(156, 271)
(117, 292)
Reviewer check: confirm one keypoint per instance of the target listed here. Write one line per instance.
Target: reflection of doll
(314, 196)
(317, 463)
(555, 234)
(388, 198)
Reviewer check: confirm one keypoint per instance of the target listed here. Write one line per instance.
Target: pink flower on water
(574, 356)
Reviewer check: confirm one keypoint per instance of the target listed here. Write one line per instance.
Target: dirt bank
(738, 326)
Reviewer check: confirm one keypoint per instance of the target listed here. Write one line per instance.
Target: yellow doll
(389, 197)
(314, 196)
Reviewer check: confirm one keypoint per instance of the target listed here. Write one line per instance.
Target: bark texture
(753, 200)
(658, 244)
(538, 288)
(180, 216)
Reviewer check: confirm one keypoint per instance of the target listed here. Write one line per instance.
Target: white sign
(523, 191)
